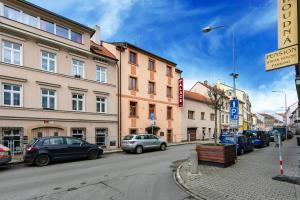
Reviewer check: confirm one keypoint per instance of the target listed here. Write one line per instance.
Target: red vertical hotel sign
(180, 92)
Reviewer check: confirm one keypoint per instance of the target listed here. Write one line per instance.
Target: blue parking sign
(234, 109)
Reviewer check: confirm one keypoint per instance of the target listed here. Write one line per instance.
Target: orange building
(149, 84)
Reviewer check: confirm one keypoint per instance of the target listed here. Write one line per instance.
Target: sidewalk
(249, 178)
(19, 158)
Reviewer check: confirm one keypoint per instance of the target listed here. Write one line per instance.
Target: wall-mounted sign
(287, 23)
(282, 58)
(180, 92)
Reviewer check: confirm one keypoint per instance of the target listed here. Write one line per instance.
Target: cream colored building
(149, 85)
(54, 80)
(245, 119)
(198, 117)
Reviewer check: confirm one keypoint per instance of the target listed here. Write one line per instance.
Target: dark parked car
(281, 130)
(259, 138)
(42, 151)
(244, 144)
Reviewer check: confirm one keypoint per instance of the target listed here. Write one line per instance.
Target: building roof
(281, 114)
(266, 115)
(92, 31)
(127, 44)
(101, 50)
(196, 97)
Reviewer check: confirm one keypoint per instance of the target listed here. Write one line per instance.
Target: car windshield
(227, 139)
(128, 137)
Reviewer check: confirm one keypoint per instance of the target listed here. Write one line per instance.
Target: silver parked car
(142, 142)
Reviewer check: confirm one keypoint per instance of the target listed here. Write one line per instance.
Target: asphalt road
(117, 176)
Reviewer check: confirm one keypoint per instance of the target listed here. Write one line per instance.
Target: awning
(149, 129)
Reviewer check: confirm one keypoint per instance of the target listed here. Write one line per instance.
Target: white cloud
(264, 100)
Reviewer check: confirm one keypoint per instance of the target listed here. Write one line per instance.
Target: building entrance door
(12, 138)
(191, 134)
(169, 136)
(46, 132)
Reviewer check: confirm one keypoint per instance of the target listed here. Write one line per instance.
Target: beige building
(245, 119)
(54, 80)
(149, 85)
(198, 117)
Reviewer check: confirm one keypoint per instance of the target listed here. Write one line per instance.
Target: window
(169, 92)
(101, 134)
(76, 37)
(101, 74)
(133, 109)
(132, 83)
(12, 13)
(78, 133)
(151, 65)
(48, 62)
(169, 113)
(78, 68)
(151, 87)
(47, 26)
(77, 102)
(101, 104)
(202, 115)
(212, 117)
(191, 114)
(54, 141)
(222, 118)
(151, 109)
(11, 53)
(227, 119)
(132, 57)
(169, 71)
(62, 31)
(48, 99)
(11, 95)
(72, 141)
(29, 20)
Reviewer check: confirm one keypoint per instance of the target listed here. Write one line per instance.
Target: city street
(115, 176)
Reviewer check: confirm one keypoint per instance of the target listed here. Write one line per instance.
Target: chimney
(96, 36)
(205, 82)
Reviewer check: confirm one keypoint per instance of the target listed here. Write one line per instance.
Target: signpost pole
(280, 157)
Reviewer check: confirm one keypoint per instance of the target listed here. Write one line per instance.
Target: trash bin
(298, 141)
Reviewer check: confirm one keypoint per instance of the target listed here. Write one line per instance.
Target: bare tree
(217, 98)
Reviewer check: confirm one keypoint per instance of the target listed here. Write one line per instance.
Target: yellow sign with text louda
(287, 23)
(282, 58)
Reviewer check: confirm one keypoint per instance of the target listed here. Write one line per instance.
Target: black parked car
(42, 151)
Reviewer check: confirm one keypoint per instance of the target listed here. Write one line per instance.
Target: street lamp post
(233, 74)
(286, 114)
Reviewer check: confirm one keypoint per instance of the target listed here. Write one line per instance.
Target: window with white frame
(79, 133)
(101, 103)
(77, 102)
(78, 68)
(48, 61)
(11, 52)
(11, 95)
(101, 74)
(101, 136)
(48, 99)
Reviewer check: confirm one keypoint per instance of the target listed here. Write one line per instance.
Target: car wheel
(42, 160)
(93, 154)
(139, 150)
(163, 147)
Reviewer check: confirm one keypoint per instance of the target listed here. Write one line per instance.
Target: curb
(179, 181)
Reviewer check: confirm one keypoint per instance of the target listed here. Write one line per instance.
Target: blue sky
(171, 29)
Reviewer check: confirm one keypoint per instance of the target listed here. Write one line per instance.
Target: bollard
(194, 161)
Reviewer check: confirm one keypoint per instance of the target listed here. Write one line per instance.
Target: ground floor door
(169, 136)
(46, 132)
(192, 134)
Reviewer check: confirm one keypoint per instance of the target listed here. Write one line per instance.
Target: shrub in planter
(216, 153)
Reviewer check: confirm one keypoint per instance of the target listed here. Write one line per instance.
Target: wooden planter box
(222, 155)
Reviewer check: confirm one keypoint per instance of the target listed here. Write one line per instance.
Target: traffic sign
(234, 113)
(152, 117)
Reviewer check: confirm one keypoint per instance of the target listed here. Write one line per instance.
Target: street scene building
(54, 80)
(149, 84)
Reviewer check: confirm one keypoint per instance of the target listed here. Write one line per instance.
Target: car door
(156, 142)
(76, 148)
(56, 148)
(146, 141)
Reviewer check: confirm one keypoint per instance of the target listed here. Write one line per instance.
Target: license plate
(5, 153)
